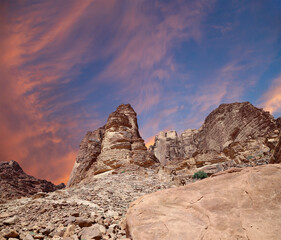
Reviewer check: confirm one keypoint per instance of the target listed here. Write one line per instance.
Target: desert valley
(119, 189)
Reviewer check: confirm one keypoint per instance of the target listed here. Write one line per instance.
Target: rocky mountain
(115, 145)
(15, 183)
(113, 168)
(248, 208)
(235, 134)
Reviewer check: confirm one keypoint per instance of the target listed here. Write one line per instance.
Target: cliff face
(234, 133)
(115, 145)
(90, 148)
(15, 183)
(236, 122)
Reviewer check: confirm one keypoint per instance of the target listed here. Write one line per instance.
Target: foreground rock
(15, 183)
(236, 204)
(95, 210)
(115, 145)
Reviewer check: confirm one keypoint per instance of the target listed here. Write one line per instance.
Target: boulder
(234, 204)
(92, 232)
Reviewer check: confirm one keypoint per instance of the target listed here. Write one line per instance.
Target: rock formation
(115, 145)
(236, 133)
(15, 183)
(248, 208)
(98, 206)
(235, 122)
(276, 158)
(90, 148)
(114, 168)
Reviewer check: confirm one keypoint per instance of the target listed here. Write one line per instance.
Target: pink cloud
(271, 99)
(44, 48)
(43, 147)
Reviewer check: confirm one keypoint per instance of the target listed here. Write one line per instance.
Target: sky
(66, 65)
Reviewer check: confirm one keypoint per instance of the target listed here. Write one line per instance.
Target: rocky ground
(92, 210)
(113, 168)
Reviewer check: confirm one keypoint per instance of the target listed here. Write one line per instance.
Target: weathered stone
(90, 148)
(70, 230)
(235, 122)
(15, 183)
(188, 144)
(10, 233)
(167, 146)
(82, 222)
(115, 145)
(238, 131)
(276, 158)
(92, 232)
(11, 221)
(28, 237)
(38, 236)
(75, 214)
(236, 204)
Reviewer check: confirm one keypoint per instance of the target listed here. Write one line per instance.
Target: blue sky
(65, 66)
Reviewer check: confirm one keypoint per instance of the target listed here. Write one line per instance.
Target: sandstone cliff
(232, 135)
(115, 145)
(15, 183)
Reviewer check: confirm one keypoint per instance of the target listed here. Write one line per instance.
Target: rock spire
(117, 144)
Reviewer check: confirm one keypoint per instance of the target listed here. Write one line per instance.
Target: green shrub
(200, 175)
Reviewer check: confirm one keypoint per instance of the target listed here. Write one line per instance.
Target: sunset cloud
(271, 100)
(66, 65)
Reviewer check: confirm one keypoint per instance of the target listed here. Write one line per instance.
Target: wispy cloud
(37, 59)
(271, 99)
(45, 47)
(62, 64)
(145, 62)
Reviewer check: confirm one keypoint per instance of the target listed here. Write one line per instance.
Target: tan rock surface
(235, 204)
(115, 145)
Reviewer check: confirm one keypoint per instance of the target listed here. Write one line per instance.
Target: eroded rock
(115, 145)
(15, 183)
(236, 133)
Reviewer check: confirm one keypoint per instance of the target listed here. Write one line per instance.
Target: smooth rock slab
(235, 204)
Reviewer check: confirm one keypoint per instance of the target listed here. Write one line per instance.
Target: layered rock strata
(235, 133)
(90, 148)
(115, 145)
(15, 183)
(248, 208)
(276, 158)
